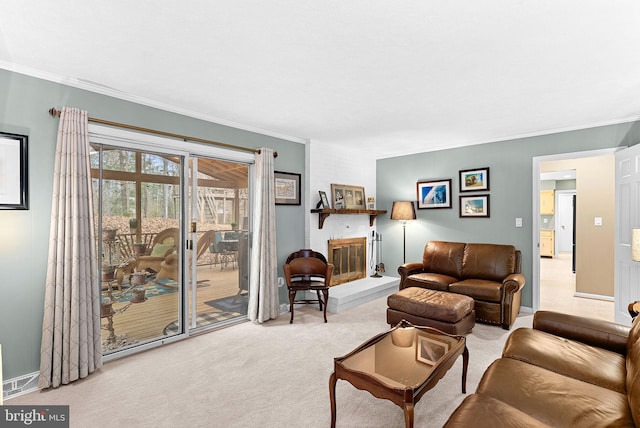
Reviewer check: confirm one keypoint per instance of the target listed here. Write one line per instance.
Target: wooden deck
(145, 321)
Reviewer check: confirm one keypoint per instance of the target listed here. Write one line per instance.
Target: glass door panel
(219, 257)
(138, 214)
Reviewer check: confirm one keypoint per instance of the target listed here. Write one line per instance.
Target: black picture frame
(474, 180)
(287, 188)
(475, 206)
(324, 200)
(434, 194)
(14, 171)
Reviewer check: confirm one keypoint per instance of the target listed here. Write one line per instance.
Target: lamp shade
(403, 210)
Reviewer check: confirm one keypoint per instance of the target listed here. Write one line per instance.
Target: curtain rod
(54, 112)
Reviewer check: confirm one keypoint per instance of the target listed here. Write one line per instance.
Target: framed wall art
(14, 174)
(434, 194)
(287, 188)
(472, 180)
(345, 196)
(474, 206)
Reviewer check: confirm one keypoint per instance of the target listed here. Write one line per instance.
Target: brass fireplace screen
(349, 257)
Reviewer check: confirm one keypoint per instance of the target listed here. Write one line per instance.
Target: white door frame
(535, 223)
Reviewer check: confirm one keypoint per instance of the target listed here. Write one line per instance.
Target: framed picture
(434, 194)
(324, 201)
(472, 180)
(14, 189)
(430, 351)
(474, 206)
(345, 196)
(287, 188)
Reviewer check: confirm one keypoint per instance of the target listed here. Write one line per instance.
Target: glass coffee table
(400, 365)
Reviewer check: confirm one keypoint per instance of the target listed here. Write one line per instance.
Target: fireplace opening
(349, 259)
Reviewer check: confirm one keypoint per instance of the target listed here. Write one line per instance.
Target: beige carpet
(274, 375)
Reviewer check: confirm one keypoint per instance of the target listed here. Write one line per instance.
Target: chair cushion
(477, 408)
(560, 401)
(159, 250)
(567, 357)
(307, 285)
(479, 289)
(434, 281)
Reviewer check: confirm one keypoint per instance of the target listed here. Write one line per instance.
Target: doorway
(570, 267)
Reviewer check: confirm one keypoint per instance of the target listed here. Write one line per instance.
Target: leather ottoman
(448, 312)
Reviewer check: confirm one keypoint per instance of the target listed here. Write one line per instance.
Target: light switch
(597, 221)
(518, 221)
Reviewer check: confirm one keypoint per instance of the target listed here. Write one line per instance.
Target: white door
(564, 222)
(627, 272)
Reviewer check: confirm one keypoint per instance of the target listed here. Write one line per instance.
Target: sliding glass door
(219, 215)
(172, 232)
(137, 200)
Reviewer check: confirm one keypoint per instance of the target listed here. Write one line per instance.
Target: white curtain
(71, 343)
(263, 285)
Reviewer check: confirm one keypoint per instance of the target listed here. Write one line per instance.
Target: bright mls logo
(34, 416)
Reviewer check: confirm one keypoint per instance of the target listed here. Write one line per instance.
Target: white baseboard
(20, 385)
(594, 296)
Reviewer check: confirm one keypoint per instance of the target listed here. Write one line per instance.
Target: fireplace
(349, 257)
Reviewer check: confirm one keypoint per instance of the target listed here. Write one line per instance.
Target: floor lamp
(403, 211)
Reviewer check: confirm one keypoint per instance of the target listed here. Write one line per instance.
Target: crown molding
(114, 93)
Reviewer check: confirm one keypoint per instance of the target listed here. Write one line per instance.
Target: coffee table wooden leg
(465, 364)
(408, 415)
(332, 397)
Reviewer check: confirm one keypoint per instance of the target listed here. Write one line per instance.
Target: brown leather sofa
(566, 371)
(489, 273)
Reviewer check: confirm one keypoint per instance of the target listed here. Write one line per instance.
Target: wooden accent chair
(308, 270)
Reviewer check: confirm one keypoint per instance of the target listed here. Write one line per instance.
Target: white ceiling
(392, 77)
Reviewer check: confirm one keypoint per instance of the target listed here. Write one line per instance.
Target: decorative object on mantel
(324, 201)
(403, 211)
(434, 194)
(371, 203)
(348, 197)
(326, 212)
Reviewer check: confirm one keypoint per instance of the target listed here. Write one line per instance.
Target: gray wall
(511, 167)
(24, 234)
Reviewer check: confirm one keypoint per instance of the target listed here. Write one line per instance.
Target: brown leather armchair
(308, 270)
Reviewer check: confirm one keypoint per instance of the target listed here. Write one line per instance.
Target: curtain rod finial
(54, 112)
